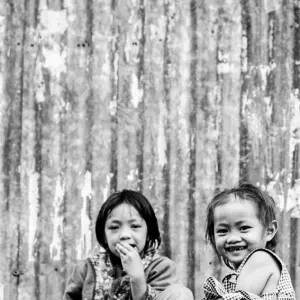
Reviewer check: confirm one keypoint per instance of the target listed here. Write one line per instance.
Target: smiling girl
(129, 267)
(242, 228)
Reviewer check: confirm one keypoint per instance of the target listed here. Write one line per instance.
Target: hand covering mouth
(235, 248)
(132, 245)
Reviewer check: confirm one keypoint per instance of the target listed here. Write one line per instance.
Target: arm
(260, 274)
(138, 288)
(163, 282)
(133, 265)
(146, 285)
(161, 273)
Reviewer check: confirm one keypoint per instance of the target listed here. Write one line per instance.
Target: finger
(118, 250)
(126, 246)
(135, 249)
(122, 249)
(122, 252)
(123, 257)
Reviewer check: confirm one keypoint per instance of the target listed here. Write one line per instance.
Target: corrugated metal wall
(175, 98)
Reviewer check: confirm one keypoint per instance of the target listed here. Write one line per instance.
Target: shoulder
(161, 262)
(263, 259)
(263, 265)
(259, 273)
(162, 259)
(83, 269)
(82, 278)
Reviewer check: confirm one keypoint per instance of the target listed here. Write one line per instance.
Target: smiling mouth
(235, 249)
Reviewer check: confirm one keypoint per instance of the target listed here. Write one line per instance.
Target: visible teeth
(235, 249)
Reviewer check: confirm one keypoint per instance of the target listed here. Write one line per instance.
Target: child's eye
(244, 228)
(221, 231)
(113, 227)
(136, 226)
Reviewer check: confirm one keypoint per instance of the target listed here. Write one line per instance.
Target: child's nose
(124, 234)
(233, 237)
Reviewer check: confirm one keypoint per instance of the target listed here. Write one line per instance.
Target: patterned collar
(213, 289)
(109, 287)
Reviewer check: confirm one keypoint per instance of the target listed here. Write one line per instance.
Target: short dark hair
(266, 212)
(144, 208)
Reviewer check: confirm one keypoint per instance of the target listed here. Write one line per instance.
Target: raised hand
(131, 260)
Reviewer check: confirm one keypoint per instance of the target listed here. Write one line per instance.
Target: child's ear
(271, 230)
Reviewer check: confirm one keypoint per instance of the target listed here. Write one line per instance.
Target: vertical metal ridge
(244, 134)
(140, 138)
(114, 102)
(192, 147)
(166, 167)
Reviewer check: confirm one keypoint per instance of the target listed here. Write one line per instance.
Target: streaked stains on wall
(173, 98)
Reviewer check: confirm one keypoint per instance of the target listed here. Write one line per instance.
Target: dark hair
(245, 191)
(144, 208)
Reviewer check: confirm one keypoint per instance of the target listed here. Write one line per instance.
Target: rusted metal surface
(173, 98)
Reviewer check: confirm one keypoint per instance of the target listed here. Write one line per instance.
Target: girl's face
(238, 231)
(125, 225)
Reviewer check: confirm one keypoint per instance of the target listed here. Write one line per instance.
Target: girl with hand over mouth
(129, 268)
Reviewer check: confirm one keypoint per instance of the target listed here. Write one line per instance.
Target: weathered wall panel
(173, 98)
